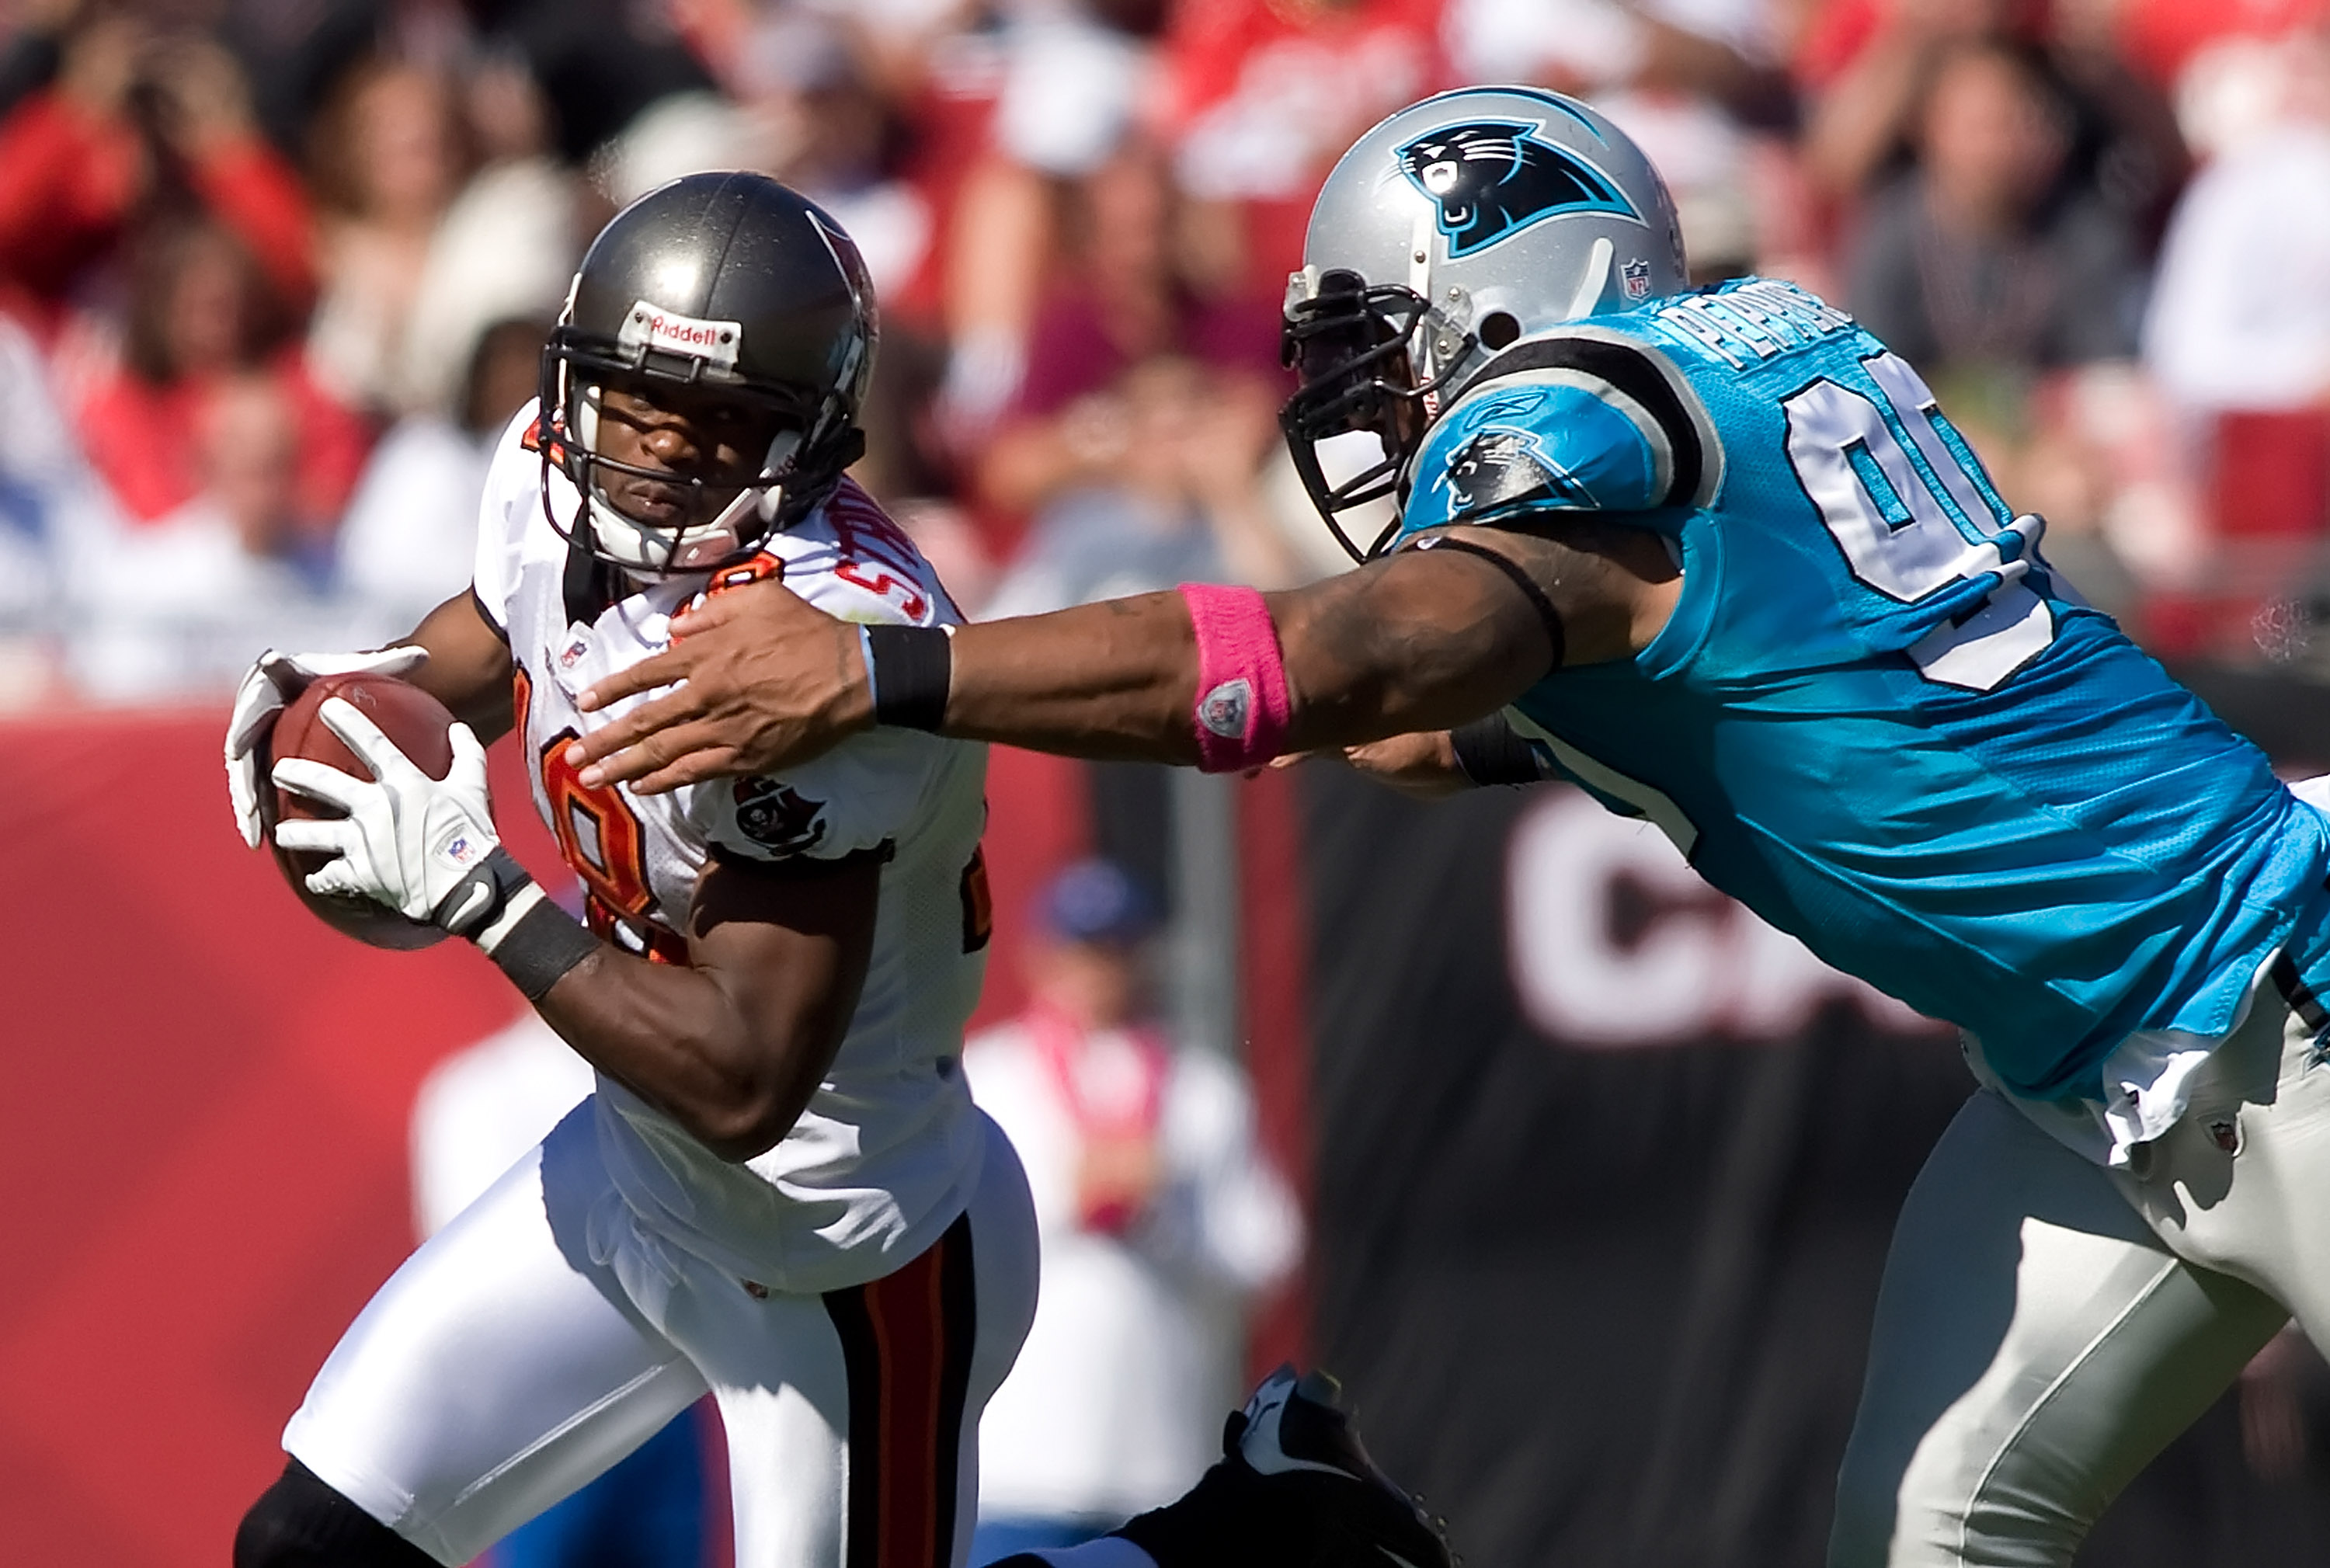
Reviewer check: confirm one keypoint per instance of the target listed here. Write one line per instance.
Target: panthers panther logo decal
(1491, 179)
(1497, 468)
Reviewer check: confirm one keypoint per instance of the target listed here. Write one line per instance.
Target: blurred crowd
(273, 273)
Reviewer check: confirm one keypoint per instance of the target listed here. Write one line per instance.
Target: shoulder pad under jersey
(1581, 418)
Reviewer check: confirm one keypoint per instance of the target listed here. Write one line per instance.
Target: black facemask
(1348, 346)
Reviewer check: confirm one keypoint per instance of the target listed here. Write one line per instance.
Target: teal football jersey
(1877, 717)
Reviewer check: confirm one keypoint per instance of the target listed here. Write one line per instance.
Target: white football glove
(416, 843)
(275, 679)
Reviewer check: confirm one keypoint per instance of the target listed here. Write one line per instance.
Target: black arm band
(481, 895)
(1489, 752)
(544, 945)
(1547, 616)
(911, 667)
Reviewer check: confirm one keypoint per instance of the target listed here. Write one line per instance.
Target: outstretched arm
(1421, 641)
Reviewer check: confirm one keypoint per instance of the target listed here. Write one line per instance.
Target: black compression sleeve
(1491, 752)
(301, 1522)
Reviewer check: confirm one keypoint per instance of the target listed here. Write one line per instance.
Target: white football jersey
(886, 1154)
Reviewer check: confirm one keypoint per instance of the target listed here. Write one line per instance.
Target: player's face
(711, 445)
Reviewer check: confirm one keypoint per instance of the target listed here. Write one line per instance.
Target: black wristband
(1489, 752)
(911, 667)
(544, 945)
(481, 895)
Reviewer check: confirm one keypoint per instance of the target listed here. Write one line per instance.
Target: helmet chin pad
(651, 549)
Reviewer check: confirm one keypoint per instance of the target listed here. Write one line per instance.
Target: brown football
(418, 723)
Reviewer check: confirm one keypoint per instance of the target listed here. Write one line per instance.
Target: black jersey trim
(486, 614)
(2298, 994)
(1639, 374)
(802, 868)
(1489, 750)
(588, 585)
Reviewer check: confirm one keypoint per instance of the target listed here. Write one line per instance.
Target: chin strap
(589, 583)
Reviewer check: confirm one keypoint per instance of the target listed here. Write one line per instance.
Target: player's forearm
(1114, 680)
(676, 1038)
(1416, 643)
(760, 679)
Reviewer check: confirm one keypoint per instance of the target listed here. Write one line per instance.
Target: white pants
(502, 1367)
(2045, 1326)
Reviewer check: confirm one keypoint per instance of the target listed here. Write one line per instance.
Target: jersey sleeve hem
(801, 867)
(486, 614)
(503, 512)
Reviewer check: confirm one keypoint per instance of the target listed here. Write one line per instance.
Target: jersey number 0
(1892, 519)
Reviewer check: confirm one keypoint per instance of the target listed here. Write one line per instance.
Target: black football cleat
(1294, 1489)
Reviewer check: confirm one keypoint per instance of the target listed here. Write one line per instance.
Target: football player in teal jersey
(1717, 556)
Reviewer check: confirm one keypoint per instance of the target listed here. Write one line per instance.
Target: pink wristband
(1243, 708)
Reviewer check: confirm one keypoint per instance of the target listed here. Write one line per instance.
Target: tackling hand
(1422, 766)
(414, 842)
(762, 679)
(275, 679)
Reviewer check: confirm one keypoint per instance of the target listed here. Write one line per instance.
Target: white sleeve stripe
(1653, 434)
(1695, 453)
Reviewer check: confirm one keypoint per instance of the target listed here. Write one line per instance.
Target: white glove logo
(407, 841)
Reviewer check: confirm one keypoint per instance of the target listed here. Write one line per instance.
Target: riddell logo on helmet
(646, 325)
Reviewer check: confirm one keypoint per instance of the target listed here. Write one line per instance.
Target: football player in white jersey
(781, 1191)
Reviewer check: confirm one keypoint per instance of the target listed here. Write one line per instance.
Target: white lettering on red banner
(1615, 941)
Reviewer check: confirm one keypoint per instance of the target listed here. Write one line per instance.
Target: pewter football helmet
(726, 281)
(1452, 229)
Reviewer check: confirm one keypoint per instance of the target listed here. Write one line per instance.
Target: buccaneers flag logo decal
(777, 816)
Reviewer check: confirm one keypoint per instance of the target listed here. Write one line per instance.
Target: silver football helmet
(1452, 229)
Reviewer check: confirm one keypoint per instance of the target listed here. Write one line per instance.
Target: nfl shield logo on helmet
(1634, 276)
